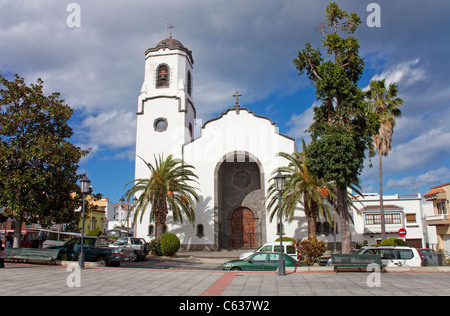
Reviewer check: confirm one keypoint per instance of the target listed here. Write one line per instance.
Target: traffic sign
(402, 232)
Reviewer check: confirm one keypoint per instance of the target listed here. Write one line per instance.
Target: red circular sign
(402, 232)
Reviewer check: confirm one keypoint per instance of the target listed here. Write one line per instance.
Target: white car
(273, 247)
(395, 256)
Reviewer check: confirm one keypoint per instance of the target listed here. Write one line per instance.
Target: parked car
(274, 247)
(96, 249)
(430, 257)
(139, 246)
(395, 256)
(261, 261)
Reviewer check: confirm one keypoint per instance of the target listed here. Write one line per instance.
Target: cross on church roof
(170, 29)
(237, 95)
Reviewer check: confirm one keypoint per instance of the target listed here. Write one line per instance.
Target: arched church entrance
(242, 228)
(240, 217)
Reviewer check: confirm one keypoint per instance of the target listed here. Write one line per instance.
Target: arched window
(189, 83)
(163, 76)
(200, 231)
(191, 132)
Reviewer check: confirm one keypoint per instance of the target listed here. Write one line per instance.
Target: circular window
(160, 124)
(242, 179)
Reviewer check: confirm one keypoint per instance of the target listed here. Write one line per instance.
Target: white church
(234, 158)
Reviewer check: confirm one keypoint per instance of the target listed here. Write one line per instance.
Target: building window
(189, 83)
(411, 218)
(392, 218)
(375, 219)
(162, 80)
(151, 230)
(191, 132)
(441, 208)
(280, 226)
(200, 231)
(160, 124)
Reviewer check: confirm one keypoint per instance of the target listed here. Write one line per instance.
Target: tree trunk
(342, 209)
(311, 219)
(160, 216)
(312, 228)
(17, 233)
(380, 186)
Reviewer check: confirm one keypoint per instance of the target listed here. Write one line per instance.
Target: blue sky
(245, 45)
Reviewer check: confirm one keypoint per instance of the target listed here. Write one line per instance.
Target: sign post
(402, 232)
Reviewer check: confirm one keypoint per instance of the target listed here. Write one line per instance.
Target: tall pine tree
(342, 128)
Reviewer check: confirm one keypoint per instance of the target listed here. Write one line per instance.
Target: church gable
(245, 132)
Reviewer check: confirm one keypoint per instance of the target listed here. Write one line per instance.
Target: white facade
(234, 158)
(238, 140)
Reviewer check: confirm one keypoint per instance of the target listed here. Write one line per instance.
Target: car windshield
(121, 241)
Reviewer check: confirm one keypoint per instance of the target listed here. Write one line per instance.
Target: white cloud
(300, 123)
(421, 181)
(405, 73)
(109, 130)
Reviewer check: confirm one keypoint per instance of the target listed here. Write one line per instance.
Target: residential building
(440, 219)
(400, 211)
(96, 215)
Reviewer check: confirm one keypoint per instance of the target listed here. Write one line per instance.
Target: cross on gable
(237, 95)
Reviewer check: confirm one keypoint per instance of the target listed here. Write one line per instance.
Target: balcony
(438, 219)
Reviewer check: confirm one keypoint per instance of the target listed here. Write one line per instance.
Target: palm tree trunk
(312, 228)
(311, 218)
(342, 208)
(380, 186)
(160, 217)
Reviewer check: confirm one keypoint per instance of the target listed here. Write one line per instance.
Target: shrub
(285, 239)
(95, 232)
(310, 248)
(393, 242)
(170, 244)
(155, 247)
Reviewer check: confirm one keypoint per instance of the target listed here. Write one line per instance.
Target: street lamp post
(280, 180)
(85, 184)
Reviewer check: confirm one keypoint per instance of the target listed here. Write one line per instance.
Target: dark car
(96, 249)
(261, 261)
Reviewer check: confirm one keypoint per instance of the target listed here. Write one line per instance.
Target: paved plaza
(41, 280)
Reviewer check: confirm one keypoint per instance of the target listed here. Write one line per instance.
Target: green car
(260, 261)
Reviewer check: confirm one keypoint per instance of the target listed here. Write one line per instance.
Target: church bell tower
(166, 112)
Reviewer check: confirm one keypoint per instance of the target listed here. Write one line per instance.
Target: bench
(359, 262)
(22, 254)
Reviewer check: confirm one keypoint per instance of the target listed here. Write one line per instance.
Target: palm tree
(385, 103)
(167, 188)
(301, 184)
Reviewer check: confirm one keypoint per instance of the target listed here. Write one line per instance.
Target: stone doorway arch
(239, 187)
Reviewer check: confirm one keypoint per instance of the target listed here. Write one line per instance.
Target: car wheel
(236, 269)
(102, 261)
(134, 257)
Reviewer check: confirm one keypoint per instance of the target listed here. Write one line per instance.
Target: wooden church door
(242, 228)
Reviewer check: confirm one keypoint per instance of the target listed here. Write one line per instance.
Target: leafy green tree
(342, 129)
(303, 186)
(38, 163)
(168, 187)
(385, 103)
